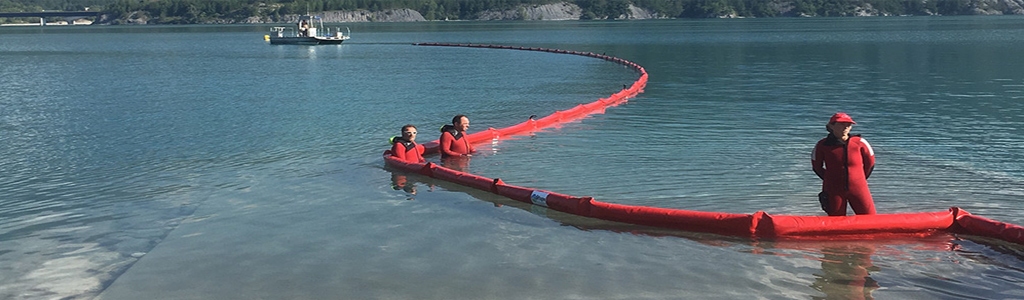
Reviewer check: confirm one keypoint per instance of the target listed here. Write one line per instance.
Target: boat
(309, 30)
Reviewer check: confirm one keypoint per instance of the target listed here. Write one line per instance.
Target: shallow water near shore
(198, 162)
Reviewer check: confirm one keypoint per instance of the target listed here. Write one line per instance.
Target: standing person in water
(453, 138)
(844, 162)
(405, 147)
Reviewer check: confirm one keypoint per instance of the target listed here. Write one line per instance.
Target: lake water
(199, 162)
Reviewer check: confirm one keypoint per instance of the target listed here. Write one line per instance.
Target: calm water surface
(201, 163)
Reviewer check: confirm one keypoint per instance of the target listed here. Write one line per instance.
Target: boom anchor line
(758, 225)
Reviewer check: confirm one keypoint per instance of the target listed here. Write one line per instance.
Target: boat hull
(305, 41)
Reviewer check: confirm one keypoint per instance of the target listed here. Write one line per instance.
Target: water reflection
(990, 251)
(823, 269)
(400, 182)
(846, 272)
(457, 163)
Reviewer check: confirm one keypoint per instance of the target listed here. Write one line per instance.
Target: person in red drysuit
(405, 148)
(453, 138)
(455, 147)
(844, 162)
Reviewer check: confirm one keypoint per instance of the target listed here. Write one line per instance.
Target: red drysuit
(454, 143)
(844, 171)
(407, 151)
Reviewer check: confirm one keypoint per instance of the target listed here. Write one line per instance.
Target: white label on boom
(539, 198)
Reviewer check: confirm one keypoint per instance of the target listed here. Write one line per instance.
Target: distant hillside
(285, 11)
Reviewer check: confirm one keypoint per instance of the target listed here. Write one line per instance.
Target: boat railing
(278, 31)
(338, 34)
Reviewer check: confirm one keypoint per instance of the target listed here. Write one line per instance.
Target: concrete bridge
(42, 15)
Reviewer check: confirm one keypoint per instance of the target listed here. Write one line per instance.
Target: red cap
(841, 117)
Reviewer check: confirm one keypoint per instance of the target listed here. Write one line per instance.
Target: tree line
(201, 11)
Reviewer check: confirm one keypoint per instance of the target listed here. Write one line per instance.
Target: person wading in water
(843, 162)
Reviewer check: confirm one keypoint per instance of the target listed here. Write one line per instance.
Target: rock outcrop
(637, 13)
(558, 12)
(393, 15)
(1000, 7)
(134, 18)
(339, 16)
(548, 12)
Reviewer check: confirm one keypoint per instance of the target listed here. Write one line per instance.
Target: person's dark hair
(458, 118)
(408, 126)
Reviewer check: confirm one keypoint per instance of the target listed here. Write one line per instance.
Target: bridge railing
(47, 14)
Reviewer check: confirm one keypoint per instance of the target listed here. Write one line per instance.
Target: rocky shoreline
(548, 12)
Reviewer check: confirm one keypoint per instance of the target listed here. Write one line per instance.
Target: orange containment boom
(756, 225)
(559, 117)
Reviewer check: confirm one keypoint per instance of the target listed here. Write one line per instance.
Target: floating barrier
(757, 225)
